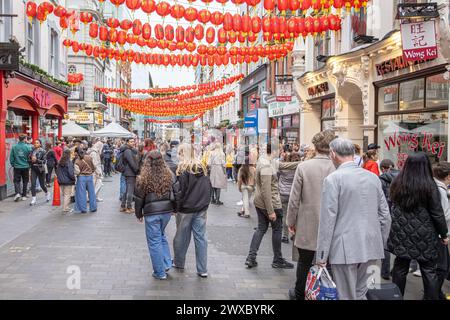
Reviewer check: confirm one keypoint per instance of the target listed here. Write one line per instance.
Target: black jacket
(130, 161)
(66, 174)
(107, 152)
(195, 193)
(169, 161)
(414, 235)
(51, 159)
(386, 181)
(148, 204)
(41, 160)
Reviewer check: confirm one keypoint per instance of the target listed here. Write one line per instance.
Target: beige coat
(304, 202)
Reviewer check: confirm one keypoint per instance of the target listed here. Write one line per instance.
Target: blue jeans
(157, 243)
(85, 183)
(123, 186)
(188, 223)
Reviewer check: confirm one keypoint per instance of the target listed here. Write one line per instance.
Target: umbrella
(113, 130)
(71, 129)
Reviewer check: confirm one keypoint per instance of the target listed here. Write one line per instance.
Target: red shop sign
(42, 98)
(419, 41)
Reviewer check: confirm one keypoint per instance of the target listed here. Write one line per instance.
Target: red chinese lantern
(190, 14)
(246, 24)
(269, 5)
(282, 6)
(317, 27)
(237, 22)
(31, 10)
(333, 22)
(146, 31)
(75, 47)
(63, 23)
(211, 50)
(274, 25)
(137, 27)
(133, 4)
(199, 32)
(169, 32)
(232, 37)
(124, 25)
(293, 5)
(221, 50)
(241, 37)
(131, 38)
(348, 5)
(141, 42)
(228, 21)
(180, 34)
(305, 5)
(190, 47)
(256, 24)
(148, 6)
(210, 35)
(152, 43)
(253, 3)
(113, 36)
(266, 25)
(204, 16)
(301, 28)
(113, 23)
(201, 49)
(117, 2)
(41, 14)
(222, 36)
(86, 17)
(292, 27)
(316, 5)
(103, 33)
(238, 2)
(59, 11)
(177, 11)
(172, 46)
(233, 51)
(283, 24)
(163, 9)
(324, 24)
(122, 38)
(252, 37)
(309, 25)
(89, 50)
(93, 30)
(67, 43)
(159, 32)
(190, 34)
(207, 1)
(216, 18)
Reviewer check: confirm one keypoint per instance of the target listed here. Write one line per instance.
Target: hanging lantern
(324, 24)
(237, 22)
(222, 36)
(317, 27)
(86, 17)
(246, 24)
(334, 22)
(152, 43)
(282, 6)
(305, 5)
(89, 50)
(210, 35)
(228, 21)
(172, 46)
(199, 32)
(269, 5)
(137, 27)
(232, 37)
(124, 25)
(292, 27)
(202, 49)
(122, 38)
(141, 42)
(216, 18)
(294, 5)
(241, 37)
(253, 3)
(316, 5)
(31, 10)
(238, 2)
(146, 31)
(148, 6)
(41, 14)
(301, 28)
(169, 32)
(348, 5)
(163, 9)
(266, 25)
(211, 50)
(338, 5)
(252, 37)
(274, 25)
(190, 34)
(190, 46)
(180, 34)
(59, 11)
(131, 38)
(309, 25)
(112, 23)
(67, 43)
(159, 31)
(190, 14)
(283, 25)
(112, 36)
(133, 5)
(204, 16)
(63, 23)
(48, 7)
(75, 47)
(177, 11)
(103, 33)
(222, 50)
(117, 3)
(93, 30)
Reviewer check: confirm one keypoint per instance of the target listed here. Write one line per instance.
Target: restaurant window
(388, 98)
(437, 91)
(328, 113)
(411, 94)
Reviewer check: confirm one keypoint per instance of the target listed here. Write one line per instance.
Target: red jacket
(58, 152)
(372, 166)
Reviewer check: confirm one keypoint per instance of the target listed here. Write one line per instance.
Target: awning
(71, 129)
(113, 130)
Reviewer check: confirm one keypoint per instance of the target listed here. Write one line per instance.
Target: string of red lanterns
(75, 78)
(174, 119)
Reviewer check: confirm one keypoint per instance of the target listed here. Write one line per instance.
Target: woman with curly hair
(154, 203)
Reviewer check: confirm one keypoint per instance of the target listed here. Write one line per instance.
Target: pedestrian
(268, 208)
(38, 171)
(416, 202)
(155, 202)
(149, 145)
(246, 185)
(216, 164)
(358, 159)
(167, 156)
(389, 173)
(84, 171)
(303, 210)
(229, 163)
(51, 162)
(441, 173)
(19, 160)
(354, 223)
(107, 158)
(65, 173)
(192, 206)
(95, 153)
(131, 169)
(58, 149)
(141, 156)
(370, 159)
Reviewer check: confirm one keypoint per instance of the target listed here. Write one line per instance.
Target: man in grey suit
(354, 223)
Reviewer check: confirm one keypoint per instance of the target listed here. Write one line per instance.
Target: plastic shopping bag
(319, 285)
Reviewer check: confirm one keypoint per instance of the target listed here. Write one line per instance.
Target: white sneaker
(99, 200)
(417, 273)
(17, 197)
(49, 196)
(33, 201)
(240, 203)
(24, 198)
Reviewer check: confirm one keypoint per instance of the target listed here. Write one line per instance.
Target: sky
(170, 76)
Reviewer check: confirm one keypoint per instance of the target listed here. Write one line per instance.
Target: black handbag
(385, 291)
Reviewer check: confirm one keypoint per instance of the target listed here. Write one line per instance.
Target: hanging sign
(9, 56)
(419, 40)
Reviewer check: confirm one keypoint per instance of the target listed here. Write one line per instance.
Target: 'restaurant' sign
(419, 41)
(396, 64)
(318, 89)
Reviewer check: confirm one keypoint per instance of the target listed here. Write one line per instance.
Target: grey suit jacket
(354, 217)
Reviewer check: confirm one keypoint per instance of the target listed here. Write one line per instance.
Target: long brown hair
(155, 176)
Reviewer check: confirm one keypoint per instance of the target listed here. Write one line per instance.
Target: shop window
(437, 91)
(287, 122)
(54, 53)
(321, 50)
(17, 124)
(5, 22)
(32, 32)
(359, 24)
(388, 98)
(328, 113)
(403, 134)
(411, 94)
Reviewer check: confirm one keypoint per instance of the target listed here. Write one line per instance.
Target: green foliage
(44, 74)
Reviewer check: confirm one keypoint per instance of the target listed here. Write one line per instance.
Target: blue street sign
(250, 122)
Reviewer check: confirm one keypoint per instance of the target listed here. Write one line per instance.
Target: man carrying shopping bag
(354, 223)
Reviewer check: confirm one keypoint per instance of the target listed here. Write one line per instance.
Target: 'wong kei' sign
(419, 40)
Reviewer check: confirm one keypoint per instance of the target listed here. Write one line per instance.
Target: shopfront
(90, 120)
(285, 120)
(29, 105)
(412, 114)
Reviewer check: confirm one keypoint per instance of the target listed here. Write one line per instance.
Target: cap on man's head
(373, 146)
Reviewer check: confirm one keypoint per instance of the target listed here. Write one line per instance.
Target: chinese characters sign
(419, 41)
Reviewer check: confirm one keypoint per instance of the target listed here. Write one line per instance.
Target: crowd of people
(342, 210)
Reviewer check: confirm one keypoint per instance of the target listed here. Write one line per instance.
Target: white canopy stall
(71, 129)
(113, 130)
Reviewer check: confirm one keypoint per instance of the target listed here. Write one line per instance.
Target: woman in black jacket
(65, 173)
(38, 169)
(155, 202)
(418, 224)
(51, 162)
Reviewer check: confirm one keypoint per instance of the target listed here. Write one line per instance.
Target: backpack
(120, 165)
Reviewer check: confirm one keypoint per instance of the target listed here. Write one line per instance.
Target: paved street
(38, 244)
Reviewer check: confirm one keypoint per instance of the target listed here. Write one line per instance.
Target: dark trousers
(35, 175)
(443, 266)
(305, 261)
(127, 200)
(21, 175)
(49, 174)
(429, 277)
(263, 225)
(107, 167)
(229, 173)
(215, 194)
(386, 265)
